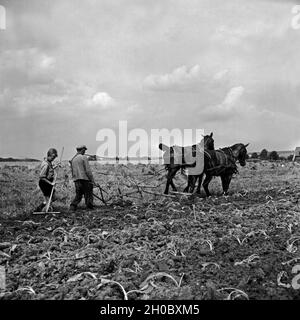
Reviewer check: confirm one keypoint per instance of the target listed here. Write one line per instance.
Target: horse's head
(240, 152)
(209, 143)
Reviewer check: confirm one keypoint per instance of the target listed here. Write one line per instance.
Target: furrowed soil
(146, 246)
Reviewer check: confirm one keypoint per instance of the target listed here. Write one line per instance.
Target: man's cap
(81, 147)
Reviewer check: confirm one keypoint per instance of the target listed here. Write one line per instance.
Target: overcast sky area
(69, 68)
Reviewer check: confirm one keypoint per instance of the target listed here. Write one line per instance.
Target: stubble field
(142, 245)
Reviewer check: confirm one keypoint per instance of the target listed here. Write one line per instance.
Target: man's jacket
(81, 168)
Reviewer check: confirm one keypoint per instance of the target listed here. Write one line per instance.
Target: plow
(121, 185)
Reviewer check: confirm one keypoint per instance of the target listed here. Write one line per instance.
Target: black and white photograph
(149, 151)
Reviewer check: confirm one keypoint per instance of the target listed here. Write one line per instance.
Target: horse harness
(229, 163)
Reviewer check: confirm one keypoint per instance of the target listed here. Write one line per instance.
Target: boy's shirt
(47, 170)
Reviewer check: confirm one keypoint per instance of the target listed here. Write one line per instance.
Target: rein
(226, 166)
(231, 154)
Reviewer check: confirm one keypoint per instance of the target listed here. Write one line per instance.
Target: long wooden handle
(48, 204)
(55, 177)
(62, 152)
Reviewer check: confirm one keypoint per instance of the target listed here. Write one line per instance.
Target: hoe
(51, 195)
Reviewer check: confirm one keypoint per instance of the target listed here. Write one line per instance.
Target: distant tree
(290, 157)
(274, 155)
(264, 154)
(254, 155)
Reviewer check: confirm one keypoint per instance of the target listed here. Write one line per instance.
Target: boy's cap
(51, 151)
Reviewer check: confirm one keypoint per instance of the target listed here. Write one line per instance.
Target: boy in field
(46, 178)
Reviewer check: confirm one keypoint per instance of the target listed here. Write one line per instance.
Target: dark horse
(176, 158)
(220, 163)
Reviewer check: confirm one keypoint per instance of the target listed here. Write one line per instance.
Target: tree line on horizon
(273, 155)
(263, 155)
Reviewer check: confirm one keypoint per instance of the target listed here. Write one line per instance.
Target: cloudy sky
(69, 68)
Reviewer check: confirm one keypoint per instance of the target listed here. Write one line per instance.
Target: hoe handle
(55, 176)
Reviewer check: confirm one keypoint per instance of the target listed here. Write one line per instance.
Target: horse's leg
(173, 173)
(206, 183)
(191, 184)
(225, 182)
(187, 188)
(200, 177)
(173, 185)
(168, 182)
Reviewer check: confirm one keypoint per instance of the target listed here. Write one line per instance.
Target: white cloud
(232, 97)
(221, 74)
(102, 99)
(228, 107)
(28, 59)
(20, 68)
(177, 77)
(28, 99)
(47, 62)
(186, 79)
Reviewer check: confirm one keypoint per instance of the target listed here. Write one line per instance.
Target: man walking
(83, 179)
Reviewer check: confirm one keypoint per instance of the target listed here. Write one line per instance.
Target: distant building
(296, 156)
(285, 154)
